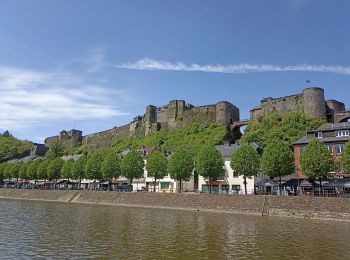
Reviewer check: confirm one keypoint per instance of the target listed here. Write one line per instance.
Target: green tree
(67, 169)
(209, 163)
(32, 170)
(7, 171)
(2, 166)
(246, 162)
(78, 170)
(277, 160)
(10, 146)
(93, 167)
(23, 171)
(180, 166)
(288, 127)
(42, 170)
(157, 167)
(132, 166)
(316, 161)
(191, 138)
(56, 150)
(15, 171)
(110, 166)
(54, 169)
(345, 159)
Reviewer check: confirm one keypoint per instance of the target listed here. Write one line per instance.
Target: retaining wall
(302, 207)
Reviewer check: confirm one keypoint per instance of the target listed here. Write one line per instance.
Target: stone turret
(314, 102)
(150, 119)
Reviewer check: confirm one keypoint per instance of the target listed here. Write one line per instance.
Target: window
(318, 134)
(330, 148)
(342, 133)
(164, 185)
(339, 148)
(302, 148)
(236, 187)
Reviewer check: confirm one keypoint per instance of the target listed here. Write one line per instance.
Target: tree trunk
(180, 186)
(79, 183)
(209, 184)
(154, 184)
(245, 184)
(319, 190)
(280, 185)
(17, 183)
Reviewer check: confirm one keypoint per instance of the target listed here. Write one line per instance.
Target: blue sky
(93, 65)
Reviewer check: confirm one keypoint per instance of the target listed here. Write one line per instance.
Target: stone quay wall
(296, 207)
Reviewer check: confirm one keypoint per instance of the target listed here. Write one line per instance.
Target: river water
(47, 230)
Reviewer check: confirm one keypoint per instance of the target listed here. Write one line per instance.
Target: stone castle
(178, 114)
(311, 101)
(175, 115)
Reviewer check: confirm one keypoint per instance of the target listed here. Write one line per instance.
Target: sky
(92, 65)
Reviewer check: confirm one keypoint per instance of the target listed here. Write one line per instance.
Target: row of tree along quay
(276, 161)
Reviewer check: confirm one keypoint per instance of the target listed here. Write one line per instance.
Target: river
(49, 230)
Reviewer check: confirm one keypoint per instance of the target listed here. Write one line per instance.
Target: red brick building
(334, 136)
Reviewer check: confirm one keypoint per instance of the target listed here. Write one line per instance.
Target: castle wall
(311, 101)
(175, 115)
(106, 138)
(51, 140)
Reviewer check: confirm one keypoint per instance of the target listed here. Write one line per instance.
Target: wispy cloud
(30, 98)
(151, 64)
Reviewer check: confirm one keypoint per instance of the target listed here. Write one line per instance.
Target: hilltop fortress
(175, 115)
(178, 114)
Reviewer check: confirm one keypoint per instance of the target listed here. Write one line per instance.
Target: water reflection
(56, 230)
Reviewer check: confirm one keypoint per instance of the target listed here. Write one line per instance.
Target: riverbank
(296, 207)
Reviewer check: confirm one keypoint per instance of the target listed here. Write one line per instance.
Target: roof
(227, 150)
(306, 140)
(266, 183)
(339, 183)
(332, 127)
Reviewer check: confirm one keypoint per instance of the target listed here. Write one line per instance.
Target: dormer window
(318, 135)
(342, 133)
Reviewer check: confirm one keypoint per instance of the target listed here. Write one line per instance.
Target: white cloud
(29, 98)
(151, 64)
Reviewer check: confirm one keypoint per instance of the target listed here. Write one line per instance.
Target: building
(229, 182)
(311, 101)
(176, 114)
(334, 136)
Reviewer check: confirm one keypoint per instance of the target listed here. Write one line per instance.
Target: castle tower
(176, 108)
(226, 113)
(314, 102)
(150, 119)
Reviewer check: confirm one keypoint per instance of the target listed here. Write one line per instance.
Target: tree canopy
(56, 150)
(67, 168)
(157, 166)
(110, 166)
(316, 161)
(345, 159)
(209, 163)
(277, 159)
(180, 166)
(191, 137)
(78, 171)
(246, 162)
(54, 169)
(10, 146)
(132, 166)
(93, 166)
(288, 127)
(42, 170)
